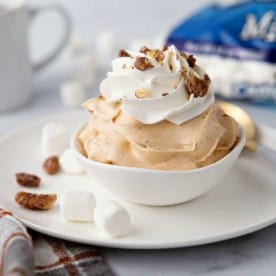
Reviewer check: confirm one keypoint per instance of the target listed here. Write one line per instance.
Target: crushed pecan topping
(165, 48)
(191, 60)
(197, 86)
(51, 165)
(184, 72)
(158, 55)
(183, 54)
(123, 53)
(142, 63)
(35, 201)
(144, 50)
(27, 180)
(141, 93)
(165, 94)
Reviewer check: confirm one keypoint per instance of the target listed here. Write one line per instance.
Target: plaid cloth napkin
(42, 255)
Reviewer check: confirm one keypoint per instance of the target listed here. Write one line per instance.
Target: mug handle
(34, 11)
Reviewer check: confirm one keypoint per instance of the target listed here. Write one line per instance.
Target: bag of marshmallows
(236, 43)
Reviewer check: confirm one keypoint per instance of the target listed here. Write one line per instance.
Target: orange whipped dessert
(157, 111)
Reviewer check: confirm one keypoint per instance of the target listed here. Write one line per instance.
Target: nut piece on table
(35, 201)
(51, 165)
(27, 180)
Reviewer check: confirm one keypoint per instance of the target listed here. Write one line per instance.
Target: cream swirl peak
(156, 85)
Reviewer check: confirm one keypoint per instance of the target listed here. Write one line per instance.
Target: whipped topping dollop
(156, 85)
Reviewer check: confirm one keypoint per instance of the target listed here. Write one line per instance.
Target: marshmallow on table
(77, 205)
(69, 163)
(55, 139)
(111, 218)
(72, 94)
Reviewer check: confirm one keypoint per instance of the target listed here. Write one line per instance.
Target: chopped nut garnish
(27, 180)
(197, 86)
(165, 94)
(144, 50)
(142, 63)
(51, 165)
(165, 48)
(184, 72)
(123, 53)
(183, 54)
(141, 93)
(191, 60)
(158, 55)
(35, 201)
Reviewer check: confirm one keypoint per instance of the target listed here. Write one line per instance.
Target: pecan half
(197, 86)
(35, 201)
(27, 180)
(51, 165)
(142, 63)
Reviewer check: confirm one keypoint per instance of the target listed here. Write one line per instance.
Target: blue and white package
(236, 44)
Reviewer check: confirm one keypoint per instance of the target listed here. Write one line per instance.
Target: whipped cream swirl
(160, 90)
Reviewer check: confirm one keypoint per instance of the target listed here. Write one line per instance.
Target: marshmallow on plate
(111, 218)
(69, 163)
(72, 94)
(77, 205)
(54, 139)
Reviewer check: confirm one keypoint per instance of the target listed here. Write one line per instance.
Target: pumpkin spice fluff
(156, 111)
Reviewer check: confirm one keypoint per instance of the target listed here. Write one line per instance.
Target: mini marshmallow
(69, 163)
(77, 205)
(107, 47)
(72, 94)
(111, 218)
(77, 45)
(86, 70)
(55, 139)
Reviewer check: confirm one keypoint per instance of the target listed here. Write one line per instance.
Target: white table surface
(253, 254)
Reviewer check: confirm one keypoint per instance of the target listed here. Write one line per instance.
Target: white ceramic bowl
(157, 187)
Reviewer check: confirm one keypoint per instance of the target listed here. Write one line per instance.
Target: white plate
(244, 202)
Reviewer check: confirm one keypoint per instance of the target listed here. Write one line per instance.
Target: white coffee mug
(16, 69)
